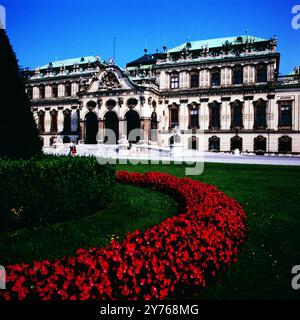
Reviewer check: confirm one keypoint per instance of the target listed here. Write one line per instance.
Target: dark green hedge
(52, 189)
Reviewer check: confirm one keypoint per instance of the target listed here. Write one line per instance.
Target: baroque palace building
(229, 89)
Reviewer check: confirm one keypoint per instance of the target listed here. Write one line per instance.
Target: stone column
(81, 131)
(47, 121)
(100, 135)
(122, 128)
(60, 121)
(146, 127)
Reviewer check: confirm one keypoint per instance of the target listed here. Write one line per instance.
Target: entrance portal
(111, 122)
(91, 128)
(133, 122)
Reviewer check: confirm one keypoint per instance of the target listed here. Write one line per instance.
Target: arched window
(42, 92)
(54, 91)
(214, 144)
(67, 121)
(41, 121)
(236, 142)
(53, 125)
(174, 81)
(68, 89)
(260, 121)
(238, 75)
(260, 145)
(236, 115)
(261, 73)
(285, 144)
(215, 77)
(214, 115)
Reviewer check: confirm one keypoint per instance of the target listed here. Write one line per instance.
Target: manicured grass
(270, 196)
(133, 208)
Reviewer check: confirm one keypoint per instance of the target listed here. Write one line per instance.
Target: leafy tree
(18, 133)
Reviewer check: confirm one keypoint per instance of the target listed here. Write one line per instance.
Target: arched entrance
(214, 144)
(111, 122)
(133, 122)
(91, 128)
(154, 126)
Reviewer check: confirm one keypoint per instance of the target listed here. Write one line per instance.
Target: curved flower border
(188, 248)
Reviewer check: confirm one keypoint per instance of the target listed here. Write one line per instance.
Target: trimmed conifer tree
(18, 133)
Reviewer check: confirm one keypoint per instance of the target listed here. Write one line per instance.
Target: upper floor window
(285, 114)
(68, 90)
(238, 76)
(237, 115)
(260, 121)
(261, 73)
(173, 116)
(194, 80)
(215, 77)
(29, 92)
(174, 81)
(42, 92)
(54, 91)
(53, 124)
(41, 121)
(214, 116)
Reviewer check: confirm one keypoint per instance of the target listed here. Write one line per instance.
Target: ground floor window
(214, 143)
(236, 142)
(260, 145)
(193, 143)
(285, 144)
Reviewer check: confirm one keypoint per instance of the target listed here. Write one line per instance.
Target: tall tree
(18, 133)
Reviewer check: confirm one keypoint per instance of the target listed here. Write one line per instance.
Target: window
(260, 145)
(285, 115)
(54, 91)
(174, 118)
(194, 80)
(193, 143)
(238, 76)
(68, 91)
(214, 144)
(194, 118)
(260, 115)
(42, 92)
(236, 115)
(29, 92)
(214, 120)
(236, 142)
(67, 121)
(285, 144)
(53, 126)
(215, 78)
(175, 81)
(261, 73)
(41, 121)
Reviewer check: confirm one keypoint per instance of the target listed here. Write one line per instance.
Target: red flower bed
(187, 248)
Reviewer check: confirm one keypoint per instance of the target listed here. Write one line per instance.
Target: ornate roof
(217, 42)
(70, 62)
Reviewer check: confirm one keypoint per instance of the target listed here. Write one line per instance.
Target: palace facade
(229, 89)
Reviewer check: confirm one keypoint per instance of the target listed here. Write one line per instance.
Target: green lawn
(270, 196)
(130, 211)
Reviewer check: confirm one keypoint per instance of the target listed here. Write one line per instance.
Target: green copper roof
(218, 42)
(70, 62)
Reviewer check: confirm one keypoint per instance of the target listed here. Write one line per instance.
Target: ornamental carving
(109, 80)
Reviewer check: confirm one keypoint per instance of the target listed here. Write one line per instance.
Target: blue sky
(42, 30)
